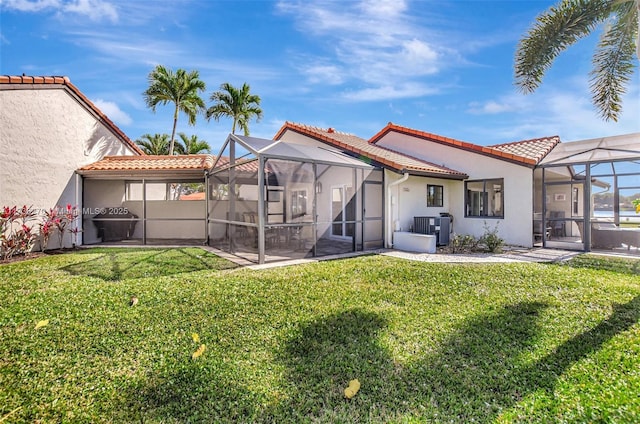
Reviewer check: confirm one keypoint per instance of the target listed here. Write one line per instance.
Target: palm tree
(157, 144)
(571, 20)
(191, 145)
(180, 88)
(238, 104)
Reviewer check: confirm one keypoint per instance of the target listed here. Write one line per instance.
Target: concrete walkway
(516, 255)
(512, 256)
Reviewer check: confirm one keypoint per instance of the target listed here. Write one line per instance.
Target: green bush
(491, 240)
(463, 243)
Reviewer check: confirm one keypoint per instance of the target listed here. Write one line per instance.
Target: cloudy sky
(444, 67)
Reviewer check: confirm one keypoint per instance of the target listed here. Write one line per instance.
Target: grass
(428, 342)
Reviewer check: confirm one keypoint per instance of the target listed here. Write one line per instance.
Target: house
(49, 129)
(428, 175)
(312, 191)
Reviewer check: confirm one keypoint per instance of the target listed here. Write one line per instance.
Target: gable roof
(536, 148)
(528, 152)
(64, 83)
(368, 152)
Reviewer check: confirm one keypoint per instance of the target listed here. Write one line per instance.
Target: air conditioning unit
(435, 225)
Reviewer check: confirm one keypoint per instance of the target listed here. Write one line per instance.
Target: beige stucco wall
(45, 135)
(515, 228)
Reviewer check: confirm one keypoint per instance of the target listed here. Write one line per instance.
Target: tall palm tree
(181, 88)
(157, 144)
(571, 20)
(238, 104)
(191, 145)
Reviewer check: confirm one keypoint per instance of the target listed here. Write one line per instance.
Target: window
(164, 191)
(484, 198)
(434, 195)
(298, 203)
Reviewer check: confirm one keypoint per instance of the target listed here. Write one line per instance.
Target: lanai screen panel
(233, 201)
(293, 200)
(596, 182)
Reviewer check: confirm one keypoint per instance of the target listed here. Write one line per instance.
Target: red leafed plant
(16, 235)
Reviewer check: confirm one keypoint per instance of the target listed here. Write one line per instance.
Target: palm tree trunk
(173, 132)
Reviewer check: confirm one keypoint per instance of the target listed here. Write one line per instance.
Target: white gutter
(390, 223)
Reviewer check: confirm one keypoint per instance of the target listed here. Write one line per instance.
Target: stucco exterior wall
(515, 228)
(409, 199)
(45, 135)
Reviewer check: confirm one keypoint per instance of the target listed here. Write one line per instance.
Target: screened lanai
(585, 193)
(273, 200)
(145, 199)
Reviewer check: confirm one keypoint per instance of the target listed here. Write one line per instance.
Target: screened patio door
(342, 211)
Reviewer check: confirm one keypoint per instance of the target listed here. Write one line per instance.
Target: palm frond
(238, 104)
(156, 144)
(553, 32)
(181, 88)
(613, 62)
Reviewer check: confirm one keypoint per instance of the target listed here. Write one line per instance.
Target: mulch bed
(32, 255)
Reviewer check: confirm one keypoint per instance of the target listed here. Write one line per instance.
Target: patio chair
(558, 228)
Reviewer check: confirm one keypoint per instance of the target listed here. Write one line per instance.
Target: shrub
(463, 243)
(16, 235)
(491, 240)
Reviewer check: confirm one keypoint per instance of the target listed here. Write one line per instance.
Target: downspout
(390, 226)
(80, 205)
(206, 208)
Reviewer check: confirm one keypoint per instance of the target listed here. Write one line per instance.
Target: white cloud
(565, 111)
(113, 112)
(30, 5)
(95, 10)
(324, 74)
(505, 104)
(390, 92)
(376, 43)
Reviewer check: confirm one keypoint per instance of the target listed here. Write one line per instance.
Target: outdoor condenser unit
(436, 225)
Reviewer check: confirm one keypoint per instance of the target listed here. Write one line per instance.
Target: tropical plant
(237, 104)
(191, 145)
(561, 26)
(156, 144)
(16, 235)
(181, 88)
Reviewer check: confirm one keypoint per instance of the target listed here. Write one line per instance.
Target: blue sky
(444, 67)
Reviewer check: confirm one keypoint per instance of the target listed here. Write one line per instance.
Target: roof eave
(155, 174)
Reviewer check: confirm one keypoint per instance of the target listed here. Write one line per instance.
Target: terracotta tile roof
(151, 163)
(535, 149)
(250, 165)
(65, 82)
(370, 152)
(499, 152)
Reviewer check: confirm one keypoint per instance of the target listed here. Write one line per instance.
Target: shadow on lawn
(117, 264)
(479, 371)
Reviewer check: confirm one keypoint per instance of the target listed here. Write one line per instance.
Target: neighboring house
(49, 129)
(427, 174)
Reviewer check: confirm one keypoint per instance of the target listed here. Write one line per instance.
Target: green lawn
(428, 342)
